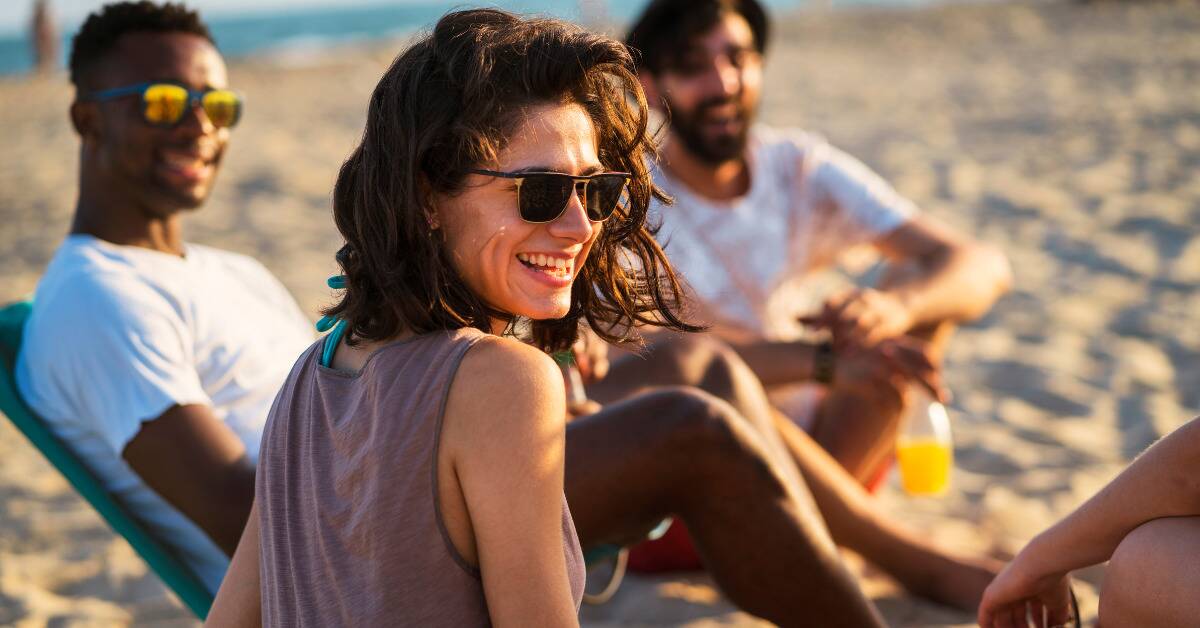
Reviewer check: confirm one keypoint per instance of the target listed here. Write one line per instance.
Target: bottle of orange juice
(925, 448)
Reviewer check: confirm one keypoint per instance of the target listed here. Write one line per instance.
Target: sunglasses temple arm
(116, 92)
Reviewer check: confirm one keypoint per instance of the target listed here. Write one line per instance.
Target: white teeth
(554, 266)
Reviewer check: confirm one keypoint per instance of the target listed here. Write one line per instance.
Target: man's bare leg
(685, 453)
(849, 511)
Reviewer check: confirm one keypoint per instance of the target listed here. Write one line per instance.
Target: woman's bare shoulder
(505, 393)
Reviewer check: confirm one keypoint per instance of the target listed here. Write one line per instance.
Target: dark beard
(713, 151)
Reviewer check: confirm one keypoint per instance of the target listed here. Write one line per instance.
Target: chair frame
(178, 577)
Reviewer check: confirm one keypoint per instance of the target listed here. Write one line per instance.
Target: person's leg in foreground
(853, 519)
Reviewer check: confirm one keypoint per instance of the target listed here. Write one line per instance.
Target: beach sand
(1067, 134)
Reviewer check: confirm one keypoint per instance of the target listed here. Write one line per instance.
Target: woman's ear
(428, 207)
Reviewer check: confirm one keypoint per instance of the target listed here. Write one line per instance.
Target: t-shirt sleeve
(856, 204)
(125, 356)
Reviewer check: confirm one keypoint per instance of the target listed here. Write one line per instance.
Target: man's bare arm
(957, 278)
(199, 465)
(939, 276)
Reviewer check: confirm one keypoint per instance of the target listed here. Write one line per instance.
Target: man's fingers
(916, 366)
(583, 364)
(599, 369)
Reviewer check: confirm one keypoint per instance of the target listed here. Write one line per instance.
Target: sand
(1067, 134)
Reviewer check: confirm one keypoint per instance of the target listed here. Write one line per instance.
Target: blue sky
(14, 14)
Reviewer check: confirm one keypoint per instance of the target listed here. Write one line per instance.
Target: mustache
(709, 104)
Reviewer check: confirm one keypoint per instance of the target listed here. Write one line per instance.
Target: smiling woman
(454, 103)
(417, 472)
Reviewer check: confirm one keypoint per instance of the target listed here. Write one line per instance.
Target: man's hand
(863, 317)
(897, 361)
(591, 356)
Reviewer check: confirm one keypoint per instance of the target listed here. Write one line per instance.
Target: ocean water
(311, 29)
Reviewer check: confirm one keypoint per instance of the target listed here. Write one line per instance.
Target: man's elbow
(229, 513)
(993, 266)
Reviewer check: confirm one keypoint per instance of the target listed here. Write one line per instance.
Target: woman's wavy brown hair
(448, 104)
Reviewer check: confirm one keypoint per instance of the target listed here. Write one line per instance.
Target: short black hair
(100, 32)
(666, 27)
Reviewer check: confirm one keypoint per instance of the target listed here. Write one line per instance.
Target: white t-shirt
(747, 260)
(118, 335)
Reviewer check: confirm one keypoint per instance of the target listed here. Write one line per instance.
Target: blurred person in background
(43, 37)
(758, 210)
(154, 359)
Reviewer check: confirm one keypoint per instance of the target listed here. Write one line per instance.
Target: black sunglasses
(544, 196)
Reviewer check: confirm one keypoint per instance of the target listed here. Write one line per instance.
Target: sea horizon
(308, 30)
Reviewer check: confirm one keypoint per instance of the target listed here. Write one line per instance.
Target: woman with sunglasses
(412, 471)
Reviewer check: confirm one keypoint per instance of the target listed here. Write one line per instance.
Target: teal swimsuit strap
(335, 326)
(331, 343)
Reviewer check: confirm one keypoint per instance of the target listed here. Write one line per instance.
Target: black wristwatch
(824, 362)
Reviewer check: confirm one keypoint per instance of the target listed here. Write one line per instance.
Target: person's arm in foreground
(239, 601)
(505, 435)
(195, 462)
(1162, 482)
(955, 279)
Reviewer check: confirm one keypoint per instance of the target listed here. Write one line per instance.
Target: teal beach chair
(177, 576)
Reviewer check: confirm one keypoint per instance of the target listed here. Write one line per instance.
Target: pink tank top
(350, 527)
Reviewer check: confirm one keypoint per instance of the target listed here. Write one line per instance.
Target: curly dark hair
(662, 33)
(447, 104)
(100, 32)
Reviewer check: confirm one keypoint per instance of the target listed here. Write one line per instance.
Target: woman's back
(351, 528)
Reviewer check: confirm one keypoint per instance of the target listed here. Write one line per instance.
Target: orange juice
(925, 465)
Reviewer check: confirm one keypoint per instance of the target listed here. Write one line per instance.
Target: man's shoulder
(217, 260)
(88, 284)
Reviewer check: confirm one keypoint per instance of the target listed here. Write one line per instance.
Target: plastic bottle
(925, 447)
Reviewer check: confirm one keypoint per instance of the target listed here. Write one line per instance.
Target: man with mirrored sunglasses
(155, 359)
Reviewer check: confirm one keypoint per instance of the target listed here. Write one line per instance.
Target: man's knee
(712, 438)
(702, 360)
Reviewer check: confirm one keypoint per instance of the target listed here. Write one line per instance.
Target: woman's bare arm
(239, 601)
(505, 431)
(1162, 482)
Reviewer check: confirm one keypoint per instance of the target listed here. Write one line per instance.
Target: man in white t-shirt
(154, 359)
(758, 210)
